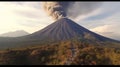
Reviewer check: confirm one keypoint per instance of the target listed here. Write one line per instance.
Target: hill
(17, 33)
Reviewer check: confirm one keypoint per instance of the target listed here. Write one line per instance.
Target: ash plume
(55, 9)
(69, 9)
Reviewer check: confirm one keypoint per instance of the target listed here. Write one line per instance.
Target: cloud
(84, 16)
(110, 28)
(82, 8)
(108, 9)
(28, 16)
(105, 20)
(110, 31)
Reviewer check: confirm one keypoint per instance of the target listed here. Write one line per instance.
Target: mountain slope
(15, 34)
(61, 30)
(64, 29)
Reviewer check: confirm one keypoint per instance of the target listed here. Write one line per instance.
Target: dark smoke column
(70, 9)
(54, 9)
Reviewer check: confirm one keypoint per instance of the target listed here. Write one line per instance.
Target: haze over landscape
(102, 17)
(17, 33)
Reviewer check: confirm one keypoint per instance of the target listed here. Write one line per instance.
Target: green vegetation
(58, 53)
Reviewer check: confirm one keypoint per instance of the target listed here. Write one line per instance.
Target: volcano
(62, 39)
(61, 30)
(64, 29)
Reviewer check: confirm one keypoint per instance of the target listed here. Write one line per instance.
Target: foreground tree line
(58, 54)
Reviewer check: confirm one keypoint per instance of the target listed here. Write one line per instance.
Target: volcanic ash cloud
(54, 9)
(69, 9)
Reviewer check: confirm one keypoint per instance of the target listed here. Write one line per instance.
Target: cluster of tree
(58, 53)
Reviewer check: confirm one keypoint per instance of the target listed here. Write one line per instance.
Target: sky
(30, 17)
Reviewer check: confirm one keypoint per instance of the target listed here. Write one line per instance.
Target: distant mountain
(17, 33)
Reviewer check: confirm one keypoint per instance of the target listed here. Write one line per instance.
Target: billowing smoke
(69, 9)
(56, 9)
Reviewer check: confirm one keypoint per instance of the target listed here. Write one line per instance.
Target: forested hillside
(61, 53)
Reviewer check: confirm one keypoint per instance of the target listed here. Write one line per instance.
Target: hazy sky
(31, 17)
